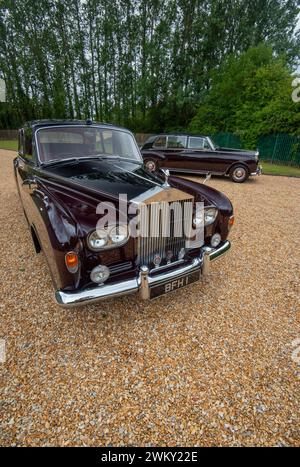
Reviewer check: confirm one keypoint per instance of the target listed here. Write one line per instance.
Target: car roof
(179, 134)
(61, 122)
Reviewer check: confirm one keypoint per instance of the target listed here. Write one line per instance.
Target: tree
(250, 95)
(146, 64)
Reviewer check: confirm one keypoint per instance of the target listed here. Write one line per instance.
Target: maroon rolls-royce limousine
(70, 175)
(197, 155)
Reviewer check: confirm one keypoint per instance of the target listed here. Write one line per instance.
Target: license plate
(174, 284)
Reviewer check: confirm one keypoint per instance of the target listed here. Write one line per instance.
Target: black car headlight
(102, 239)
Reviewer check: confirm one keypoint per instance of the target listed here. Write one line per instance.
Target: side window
(160, 142)
(177, 142)
(198, 143)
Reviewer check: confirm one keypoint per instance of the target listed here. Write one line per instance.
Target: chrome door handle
(38, 192)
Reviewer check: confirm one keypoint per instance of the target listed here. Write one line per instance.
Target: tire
(239, 173)
(151, 165)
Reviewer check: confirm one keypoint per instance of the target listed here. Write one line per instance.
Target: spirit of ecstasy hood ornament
(167, 175)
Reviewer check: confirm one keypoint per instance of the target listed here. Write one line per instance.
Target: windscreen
(67, 142)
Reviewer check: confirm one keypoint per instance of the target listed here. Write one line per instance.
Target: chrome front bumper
(258, 171)
(143, 282)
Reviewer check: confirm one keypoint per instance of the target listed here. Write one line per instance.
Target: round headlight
(215, 240)
(98, 239)
(210, 215)
(198, 219)
(100, 274)
(118, 234)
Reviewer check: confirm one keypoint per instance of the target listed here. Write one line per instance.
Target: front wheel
(239, 174)
(151, 165)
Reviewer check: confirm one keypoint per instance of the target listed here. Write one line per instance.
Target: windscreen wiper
(59, 161)
(100, 156)
(73, 159)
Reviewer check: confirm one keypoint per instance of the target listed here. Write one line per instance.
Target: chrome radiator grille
(163, 231)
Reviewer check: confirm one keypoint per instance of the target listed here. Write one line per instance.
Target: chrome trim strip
(195, 171)
(142, 283)
(168, 265)
(192, 267)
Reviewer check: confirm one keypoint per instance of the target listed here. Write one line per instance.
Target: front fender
(204, 193)
(57, 233)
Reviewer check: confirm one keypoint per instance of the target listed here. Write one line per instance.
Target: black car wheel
(239, 173)
(151, 165)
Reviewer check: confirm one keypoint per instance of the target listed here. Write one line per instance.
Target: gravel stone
(208, 365)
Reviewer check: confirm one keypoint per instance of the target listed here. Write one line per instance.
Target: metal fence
(227, 140)
(281, 148)
(8, 134)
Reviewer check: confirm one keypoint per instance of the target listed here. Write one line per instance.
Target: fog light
(215, 240)
(100, 274)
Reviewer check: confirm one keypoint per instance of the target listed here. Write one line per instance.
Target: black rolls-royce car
(70, 175)
(197, 155)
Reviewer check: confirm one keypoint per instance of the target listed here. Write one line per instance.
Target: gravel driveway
(212, 364)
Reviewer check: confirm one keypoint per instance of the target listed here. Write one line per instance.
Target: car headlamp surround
(111, 237)
(210, 215)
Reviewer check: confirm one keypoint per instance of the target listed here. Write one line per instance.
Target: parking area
(212, 364)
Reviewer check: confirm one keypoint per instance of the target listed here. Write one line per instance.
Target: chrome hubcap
(239, 173)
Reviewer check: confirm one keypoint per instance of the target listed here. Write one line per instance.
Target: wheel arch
(235, 164)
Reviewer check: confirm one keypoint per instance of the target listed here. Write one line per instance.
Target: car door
(175, 151)
(201, 156)
(25, 178)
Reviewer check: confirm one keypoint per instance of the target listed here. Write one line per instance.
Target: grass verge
(274, 169)
(9, 144)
